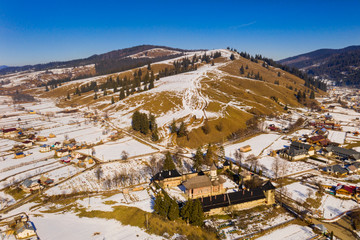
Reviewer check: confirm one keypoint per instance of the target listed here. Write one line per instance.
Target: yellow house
(246, 148)
(51, 135)
(19, 155)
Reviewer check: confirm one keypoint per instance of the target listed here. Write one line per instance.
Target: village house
(293, 154)
(45, 180)
(29, 185)
(41, 139)
(345, 191)
(51, 135)
(45, 148)
(204, 185)
(315, 139)
(346, 154)
(19, 155)
(57, 145)
(62, 152)
(246, 148)
(66, 159)
(10, 132)
(242, 199)
(167, 179)
(336, 170)
(299, 145)
(27, 143)
(25, 230)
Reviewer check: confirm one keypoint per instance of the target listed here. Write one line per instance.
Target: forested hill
(111, 61)
(340, 65)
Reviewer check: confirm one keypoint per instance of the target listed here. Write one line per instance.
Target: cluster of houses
(77, 159)
(344, 191)
(319, 144)
(19, 228)
(30, 185)
(341, 170)
(209, 188)
(326, 122)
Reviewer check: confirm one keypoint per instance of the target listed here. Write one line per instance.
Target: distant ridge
(340, 65)
(114, 55)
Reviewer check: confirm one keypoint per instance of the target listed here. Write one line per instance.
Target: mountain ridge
(340, 65)
(113, 55)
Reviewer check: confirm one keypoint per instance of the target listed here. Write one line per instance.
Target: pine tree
(105, 92)
(112, 100)
(246, 67)
(151, 85)
(210, 155)
(198, 159)
(182, 130)
(242, 71)
(154, 136)
(312, 95)
(95, 96)
(136, 121)
(46, 88)
(173, 210)
(144, 123)
(279, 74)
(232, 57)
(197, 213)
(149, 67)
(168, 163)
(68, 96)
(122, 94)
(186, 211)
(173, 127)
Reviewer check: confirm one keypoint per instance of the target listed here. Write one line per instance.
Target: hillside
(339, 65)
(143, 51)
(215, 95)
(21, 78)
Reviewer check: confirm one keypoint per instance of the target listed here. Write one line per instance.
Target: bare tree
(276, 167)
(124, 155)
(283, 168)
(99, 173)
(238, 157)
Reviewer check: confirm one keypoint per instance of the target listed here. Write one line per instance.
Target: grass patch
(17, 193)
(110, 202)
(136, 217)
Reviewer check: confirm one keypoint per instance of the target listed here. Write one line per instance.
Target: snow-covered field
(70, 226)
(290, 232)
(330, 205)
(113, 150)
(134, 172)
(32, 155)
(257, 144)
(337, 136)
(140, 199)
(85, 133)
(289, 168)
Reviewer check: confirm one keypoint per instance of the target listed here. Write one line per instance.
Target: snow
(257, 144)
(140, 199)
(69, 226)
(331, 206)
(337, 136)
(113, 150)
(290, 168)
(33, 154)
(290, 232)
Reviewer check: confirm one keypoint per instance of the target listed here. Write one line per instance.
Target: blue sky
(41, 31)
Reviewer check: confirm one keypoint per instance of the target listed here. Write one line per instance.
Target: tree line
(145, 123)
(310, 82)
(191, 211)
